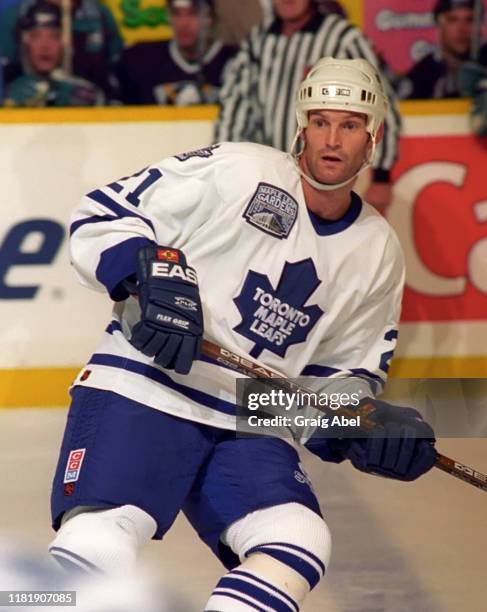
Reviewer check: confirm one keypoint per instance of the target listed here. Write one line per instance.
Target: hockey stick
(252, 369)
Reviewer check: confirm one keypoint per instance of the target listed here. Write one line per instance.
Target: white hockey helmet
(342, 84)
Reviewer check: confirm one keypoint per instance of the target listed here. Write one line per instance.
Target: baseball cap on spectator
(443, 6)
(41, 15)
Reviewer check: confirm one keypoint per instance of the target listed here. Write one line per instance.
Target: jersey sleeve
(163, 204)
(240, 112)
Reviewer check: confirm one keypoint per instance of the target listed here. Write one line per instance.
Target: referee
(257, 97)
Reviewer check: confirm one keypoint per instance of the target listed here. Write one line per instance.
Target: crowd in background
(246, 56)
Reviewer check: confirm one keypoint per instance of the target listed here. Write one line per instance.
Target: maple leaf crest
(277, 318)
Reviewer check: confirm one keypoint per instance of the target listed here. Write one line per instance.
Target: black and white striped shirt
(258, 95)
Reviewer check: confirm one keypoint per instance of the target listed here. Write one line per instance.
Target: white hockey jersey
(306, 296)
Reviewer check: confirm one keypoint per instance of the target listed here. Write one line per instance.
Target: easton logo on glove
(174, 270)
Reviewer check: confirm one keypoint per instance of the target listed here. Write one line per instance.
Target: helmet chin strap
(367, 163)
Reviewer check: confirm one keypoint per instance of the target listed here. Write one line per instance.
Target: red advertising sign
(440, 214)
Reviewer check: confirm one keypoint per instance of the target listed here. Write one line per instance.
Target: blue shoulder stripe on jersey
(118, 263)
(162, 378)
(115, 207)
(324, 227)
(96, 219)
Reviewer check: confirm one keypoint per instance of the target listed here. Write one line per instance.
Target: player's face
(44, 49)
(292, 10)
(455, 30)
(186, 24)
(336, 144)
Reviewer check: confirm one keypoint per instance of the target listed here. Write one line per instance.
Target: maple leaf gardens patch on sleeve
(277, 318)
(272, 210)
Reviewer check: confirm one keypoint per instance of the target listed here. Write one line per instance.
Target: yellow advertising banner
(140, 20)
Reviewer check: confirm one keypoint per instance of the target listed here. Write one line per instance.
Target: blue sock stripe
(267, 584)
(313, 557)
(233, 596)
(258, 593)
(299, 565)
(73, 558)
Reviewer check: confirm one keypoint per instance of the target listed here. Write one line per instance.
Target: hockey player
(185, 70)
(256, 99)
(234, 235)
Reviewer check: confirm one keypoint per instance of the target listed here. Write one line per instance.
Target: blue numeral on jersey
(118, 187)
(385, 358)
(133, 196)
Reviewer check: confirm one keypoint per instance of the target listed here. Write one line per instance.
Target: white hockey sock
(245, 590)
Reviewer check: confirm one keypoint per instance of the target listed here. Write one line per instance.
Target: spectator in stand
(185, 70)
(236, 19)
(39, 80)
(96, 41)
(437, 74)
(257, 98)
(473, 82)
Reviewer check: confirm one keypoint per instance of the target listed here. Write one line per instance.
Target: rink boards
(51, 157)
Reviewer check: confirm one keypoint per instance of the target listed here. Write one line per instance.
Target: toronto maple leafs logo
(277, 318)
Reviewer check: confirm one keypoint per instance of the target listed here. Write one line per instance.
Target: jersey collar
(193, 67)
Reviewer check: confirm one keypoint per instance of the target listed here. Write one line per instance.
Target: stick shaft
(255, 370)
(252, 369)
